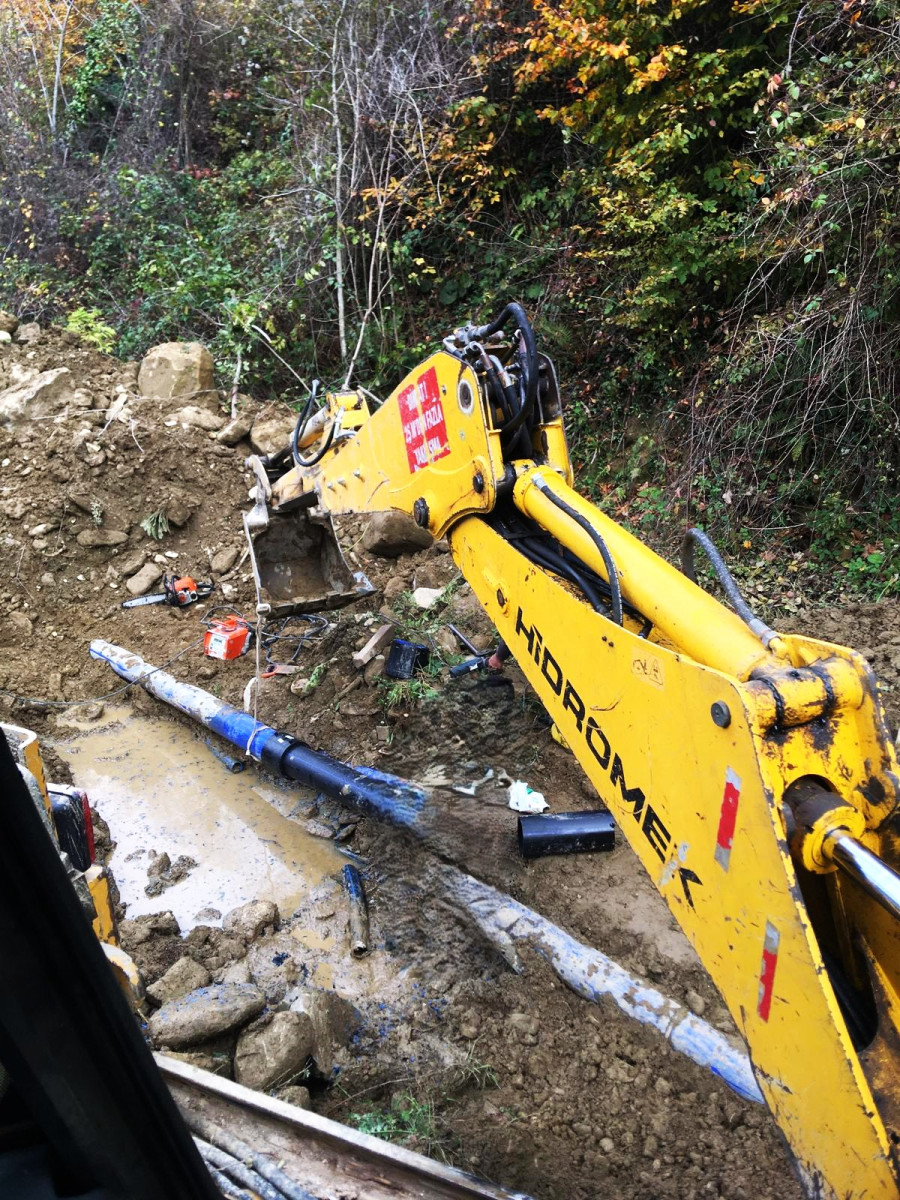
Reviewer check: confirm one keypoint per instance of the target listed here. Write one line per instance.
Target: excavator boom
(752, 773)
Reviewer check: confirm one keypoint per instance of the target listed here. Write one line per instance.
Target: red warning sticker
(767, 970)
(728, 818)
(422, 418)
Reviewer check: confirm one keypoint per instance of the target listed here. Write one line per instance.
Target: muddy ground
(518, 1079)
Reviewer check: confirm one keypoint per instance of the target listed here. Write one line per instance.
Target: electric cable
(279, 631)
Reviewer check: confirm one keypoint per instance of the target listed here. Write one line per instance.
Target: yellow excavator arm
(752, 773)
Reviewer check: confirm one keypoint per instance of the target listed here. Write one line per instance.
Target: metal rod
(875, 877)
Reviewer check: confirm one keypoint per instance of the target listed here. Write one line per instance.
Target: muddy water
(160, 789)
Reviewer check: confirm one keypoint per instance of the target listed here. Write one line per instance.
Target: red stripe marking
(728, 816)
(767, 979)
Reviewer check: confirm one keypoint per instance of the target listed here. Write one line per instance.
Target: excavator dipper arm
(752, 773)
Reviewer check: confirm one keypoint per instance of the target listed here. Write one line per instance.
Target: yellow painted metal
(432, 440)
(682, 613)
(127, 976)
(104, 923)
(29, 753)
(637, 717)
(96, 876)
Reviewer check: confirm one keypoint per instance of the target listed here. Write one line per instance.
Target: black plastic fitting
(541, 834)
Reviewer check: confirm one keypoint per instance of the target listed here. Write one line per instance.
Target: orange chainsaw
(178, 591)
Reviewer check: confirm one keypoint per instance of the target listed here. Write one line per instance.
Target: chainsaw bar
(139, 601)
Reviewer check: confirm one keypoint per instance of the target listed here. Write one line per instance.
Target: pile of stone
(242, 1011)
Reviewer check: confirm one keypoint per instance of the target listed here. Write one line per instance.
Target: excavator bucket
(301, 566)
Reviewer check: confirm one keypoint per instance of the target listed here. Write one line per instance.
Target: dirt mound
(74, 489)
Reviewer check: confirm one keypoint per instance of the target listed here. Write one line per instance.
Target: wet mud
(162, 791)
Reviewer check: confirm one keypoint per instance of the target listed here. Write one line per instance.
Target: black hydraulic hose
(272, 462)
(697, 537)
(516, 311)
(300, 426)
(584, 523)
(545, 557)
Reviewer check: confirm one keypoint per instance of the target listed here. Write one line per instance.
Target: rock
(427, 597)
(29, 333)
(238, 972)
(393, 533)
(374, 669)
(250, 920)
(334, 1021)
(179, 512)
(15, 629)
(164, 874)
(447, 643)
(523, 1023)
(134, 933)
(163, 923)
(395, 587)
(379, 641)
(296, 1095)
(158, 864)
(182, 977)
(224, 559)
(179, 371)
(42, 396)
(275, 1054)
(695, 1003)
(206, 1012)
(317, 829)
(145, 578)
(130, 563)
(8, 323)
(207, 914)
(198, 418)
(236, 430)
(99, 538)
(269, 434)
(4, 336)
(44, 528)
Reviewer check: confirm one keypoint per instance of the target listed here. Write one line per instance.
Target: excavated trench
(430, 1038)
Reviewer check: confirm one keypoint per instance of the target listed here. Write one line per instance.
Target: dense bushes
(697, 198)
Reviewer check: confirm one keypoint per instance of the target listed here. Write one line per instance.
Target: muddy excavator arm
(752, 773)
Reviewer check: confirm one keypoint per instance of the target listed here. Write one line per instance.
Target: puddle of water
(159, 788)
